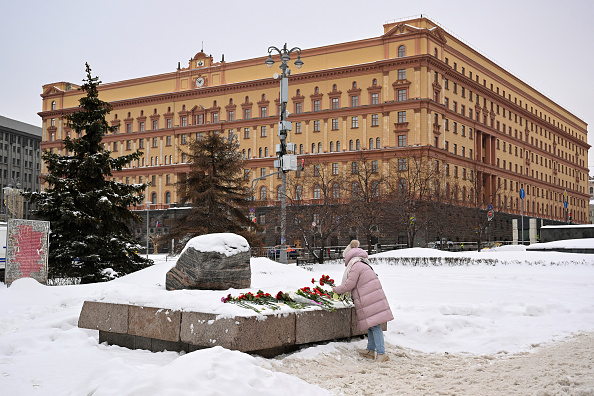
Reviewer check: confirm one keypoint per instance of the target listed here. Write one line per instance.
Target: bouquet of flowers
(303, 297)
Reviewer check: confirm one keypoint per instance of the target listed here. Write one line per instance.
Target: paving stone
(245, 334)
(314, 326)
(104, 316)
(162, 324)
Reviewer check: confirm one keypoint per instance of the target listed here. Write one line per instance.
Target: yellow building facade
(414, 87)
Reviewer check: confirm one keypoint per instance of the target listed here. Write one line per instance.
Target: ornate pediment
(52, 90)
(439, 34)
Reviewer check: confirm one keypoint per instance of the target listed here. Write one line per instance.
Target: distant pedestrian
(371, 303)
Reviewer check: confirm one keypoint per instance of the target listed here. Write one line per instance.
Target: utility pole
(287, 160)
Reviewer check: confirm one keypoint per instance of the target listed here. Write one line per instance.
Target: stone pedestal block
(315, 326)
(209, 271)
(158, 323)
(240, 333)
(104, 316)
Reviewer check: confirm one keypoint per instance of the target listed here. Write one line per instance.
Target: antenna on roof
(202, 49)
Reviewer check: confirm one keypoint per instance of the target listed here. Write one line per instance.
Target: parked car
(274, 252)
(447, 245)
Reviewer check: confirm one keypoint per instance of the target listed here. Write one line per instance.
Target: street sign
(412, 219)
(490, 215)
(490, 207)
(252, 210)
(522, 193)
(313, 224)
(565, 204)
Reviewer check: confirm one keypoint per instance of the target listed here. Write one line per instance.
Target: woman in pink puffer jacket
(371, 303)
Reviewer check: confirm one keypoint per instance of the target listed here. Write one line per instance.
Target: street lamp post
(148, 206)
(286, 162)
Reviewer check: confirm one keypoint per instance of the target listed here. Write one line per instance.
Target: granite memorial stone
(212, 262)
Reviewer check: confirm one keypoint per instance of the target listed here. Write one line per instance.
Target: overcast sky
(546, 43)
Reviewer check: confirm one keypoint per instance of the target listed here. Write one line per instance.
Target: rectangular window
(402, 74)
(141, 143)
(262, 172)
(334, 103)
(401, 117)
(115, 146)
(246, 133)
(246, 114)
(375, 98)
(374, 120)
(298, 108)
(200, 119)
(354, 167)
(141, 127)
(297, 127)
(334, 124)
(128, 128)
(316, 126)
(215, 117)
(374, 167)
(231, 115)
(264, 112)
(316, 105)
(401, 95)
(183, 137)
(355, 122)
(401, 164)
(246, 174)
(155, 125)
(184, 121)
(401, 140)
(128, 144)
(316, 170)
(335, 169)
(354, 101)
(263, 131)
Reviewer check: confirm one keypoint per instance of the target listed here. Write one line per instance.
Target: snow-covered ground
(526, 299)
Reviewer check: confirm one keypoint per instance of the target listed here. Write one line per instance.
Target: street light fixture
(286, 162)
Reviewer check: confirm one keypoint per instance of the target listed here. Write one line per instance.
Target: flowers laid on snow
(303, 297)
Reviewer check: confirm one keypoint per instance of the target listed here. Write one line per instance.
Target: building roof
(20, 126)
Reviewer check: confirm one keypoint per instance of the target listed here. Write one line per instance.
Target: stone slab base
(158, 329)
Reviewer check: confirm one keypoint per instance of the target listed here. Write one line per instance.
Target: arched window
(54, 105)
(377, 143)
(263, 193)
(263, 96)
(374, 82)
(355, 189)
(260, 152)
(401, 51)
(298, 192)
(354, 84)
(317, 191)
(154, 111)
(319, 147)
(350, 145)
(317, 90)
(249, 153)
(331, 146)
(435, 52)
(247, 99)
(301, 149)
(370, 143)
(230, 101)
(265, 151)
(243, 154)
(154, 198)
(335, 191)
(358, 144)
(338, 145)
(167, 197)
(214, 103)
(334, 87)
(313, 148)
(298, 92)
(463, 194)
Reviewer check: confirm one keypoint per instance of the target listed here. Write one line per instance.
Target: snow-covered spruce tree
(216, 189)
(88, 212)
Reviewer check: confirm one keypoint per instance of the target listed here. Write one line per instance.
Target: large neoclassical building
(415, 86)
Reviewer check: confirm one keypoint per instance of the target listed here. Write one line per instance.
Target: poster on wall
(27, 250)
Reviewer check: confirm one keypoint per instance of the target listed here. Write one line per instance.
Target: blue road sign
(522, 193)
(565, 204)
(490, 207)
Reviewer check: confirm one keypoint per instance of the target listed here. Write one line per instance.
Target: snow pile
(475, 309)
(583, 243)
(225, 243)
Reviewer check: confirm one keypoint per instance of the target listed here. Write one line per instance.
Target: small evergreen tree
(216, 188)
(88, 212)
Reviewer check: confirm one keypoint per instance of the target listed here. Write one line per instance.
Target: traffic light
(302, 164)
(569, 216)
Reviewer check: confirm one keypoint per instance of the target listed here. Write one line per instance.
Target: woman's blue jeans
(375, 339)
